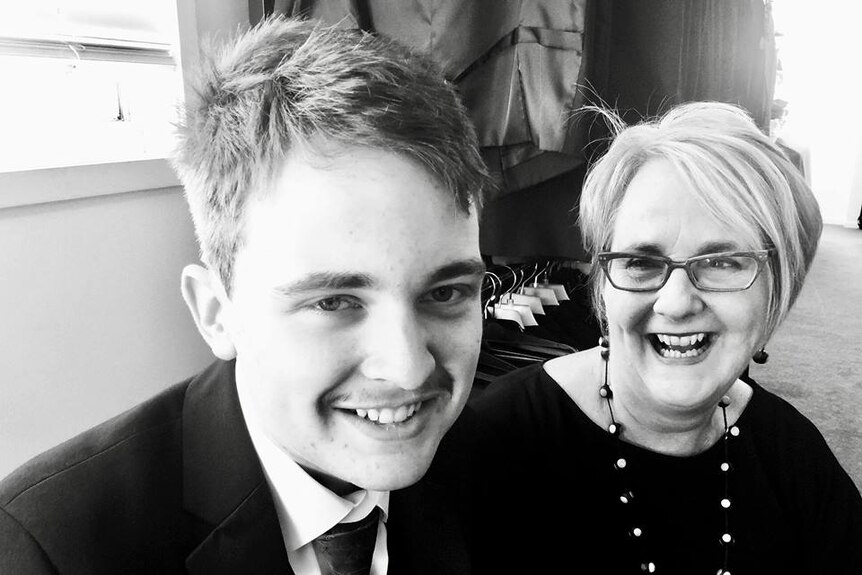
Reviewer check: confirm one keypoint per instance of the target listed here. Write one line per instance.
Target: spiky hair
(287, 83)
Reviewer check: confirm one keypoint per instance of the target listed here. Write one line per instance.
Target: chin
(388, 479)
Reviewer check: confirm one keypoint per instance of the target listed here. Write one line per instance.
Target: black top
(547, 494)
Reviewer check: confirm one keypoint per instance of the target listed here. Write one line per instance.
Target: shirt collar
(305, 508)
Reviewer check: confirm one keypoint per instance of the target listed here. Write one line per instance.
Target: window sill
(48, 185)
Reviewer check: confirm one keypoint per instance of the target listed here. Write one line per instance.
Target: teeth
(386, 415)
(673, 346)
(680, 340)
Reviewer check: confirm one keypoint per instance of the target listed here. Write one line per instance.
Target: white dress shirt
(305, 508)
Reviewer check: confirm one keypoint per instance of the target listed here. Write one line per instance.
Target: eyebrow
(467, 267)
(708, 248)
(334, 281)
(321, 281)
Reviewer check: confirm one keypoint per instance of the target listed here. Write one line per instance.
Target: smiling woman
(662, 453)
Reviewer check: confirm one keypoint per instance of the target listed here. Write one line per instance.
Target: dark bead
(606, 353)
(603, 342)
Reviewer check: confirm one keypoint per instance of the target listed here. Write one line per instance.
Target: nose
(678, 297)
(397, 349)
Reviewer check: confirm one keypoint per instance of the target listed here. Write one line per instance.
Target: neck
(668, 431)
(671, 435)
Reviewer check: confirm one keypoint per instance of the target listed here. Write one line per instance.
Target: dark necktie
(347, 548)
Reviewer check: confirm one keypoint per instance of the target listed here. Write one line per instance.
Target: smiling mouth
(681, 346)
(389, 415)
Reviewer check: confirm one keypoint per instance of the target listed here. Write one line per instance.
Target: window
(87, 81)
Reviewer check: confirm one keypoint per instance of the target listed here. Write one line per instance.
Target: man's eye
(335, 304)
(443, 294)
(450, 294)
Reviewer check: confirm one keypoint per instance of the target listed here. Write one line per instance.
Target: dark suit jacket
(174, 486)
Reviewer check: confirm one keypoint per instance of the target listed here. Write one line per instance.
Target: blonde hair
(737, 173)
(290, 83)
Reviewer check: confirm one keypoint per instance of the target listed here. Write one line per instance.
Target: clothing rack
(534, 311)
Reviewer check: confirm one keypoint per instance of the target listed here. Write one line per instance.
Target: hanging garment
(516, 64)
(525, 68)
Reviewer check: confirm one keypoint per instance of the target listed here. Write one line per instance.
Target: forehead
(359, 210)
(660, 208)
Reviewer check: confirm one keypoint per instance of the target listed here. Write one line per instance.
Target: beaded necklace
(626, 498)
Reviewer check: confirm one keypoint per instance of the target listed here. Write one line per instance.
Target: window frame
(54, 184)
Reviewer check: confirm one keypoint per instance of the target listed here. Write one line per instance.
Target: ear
(208, 304)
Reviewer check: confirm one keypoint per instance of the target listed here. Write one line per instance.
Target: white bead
(621, 462)
(734, 431)
(725, 503)
(637, 532)
(725, 466)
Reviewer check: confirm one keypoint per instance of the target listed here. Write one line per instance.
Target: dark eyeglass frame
(760, 256)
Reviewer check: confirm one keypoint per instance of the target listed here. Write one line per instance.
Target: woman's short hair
(739, 175)
(290, 84)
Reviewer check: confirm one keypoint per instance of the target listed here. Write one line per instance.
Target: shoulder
(112, 498)
(97, 448)
(793, 452)
(821, 501)
(773, 419)
(515, 393)
(118, 481)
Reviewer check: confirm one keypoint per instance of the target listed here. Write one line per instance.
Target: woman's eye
(642, 264)
(723, 263)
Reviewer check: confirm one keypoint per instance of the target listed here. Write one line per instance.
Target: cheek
(456, 344)
(624, 311)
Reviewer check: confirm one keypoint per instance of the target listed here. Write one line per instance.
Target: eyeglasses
(726, 271)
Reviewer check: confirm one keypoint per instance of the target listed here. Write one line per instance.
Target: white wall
(91, 317)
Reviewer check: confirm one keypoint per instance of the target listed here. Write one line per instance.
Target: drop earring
(760, 356)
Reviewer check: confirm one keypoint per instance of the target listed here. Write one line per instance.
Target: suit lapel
(223, 483)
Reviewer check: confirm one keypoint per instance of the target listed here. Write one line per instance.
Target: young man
(335, 183)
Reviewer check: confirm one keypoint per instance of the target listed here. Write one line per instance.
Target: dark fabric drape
(654, 54)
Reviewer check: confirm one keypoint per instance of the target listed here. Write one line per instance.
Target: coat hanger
(559, 289)
(495, 309)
